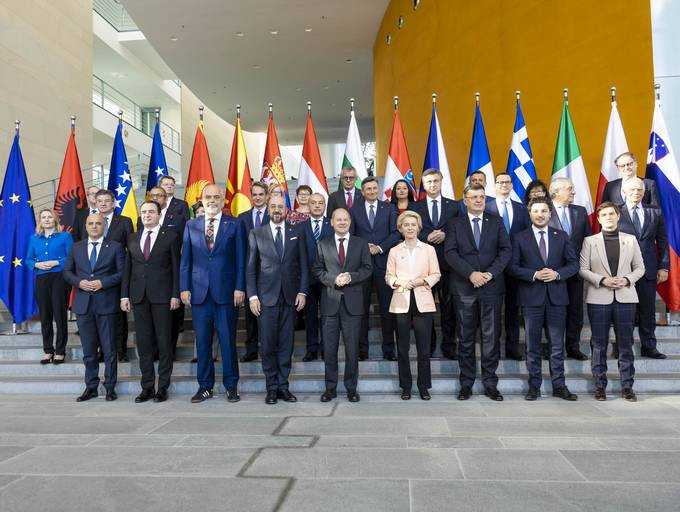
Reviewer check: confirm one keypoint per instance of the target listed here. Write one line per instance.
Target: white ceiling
(294, 65)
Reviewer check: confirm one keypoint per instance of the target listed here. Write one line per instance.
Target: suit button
(91, 275)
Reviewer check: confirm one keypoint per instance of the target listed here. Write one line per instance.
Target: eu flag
(157, 165)
(17, 225)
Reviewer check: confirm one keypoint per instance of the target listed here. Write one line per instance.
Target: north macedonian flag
(237, 199)
(200, 170)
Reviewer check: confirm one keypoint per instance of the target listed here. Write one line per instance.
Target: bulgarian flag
(237, 199)
(568, 162)
(311, 169)
(354, 156)
(200, 170)
(398, 164)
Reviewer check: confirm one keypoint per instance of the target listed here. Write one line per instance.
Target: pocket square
(293, 238)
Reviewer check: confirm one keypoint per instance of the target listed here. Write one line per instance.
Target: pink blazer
(425, 265)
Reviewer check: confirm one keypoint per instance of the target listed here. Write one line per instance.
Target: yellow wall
(458, 47)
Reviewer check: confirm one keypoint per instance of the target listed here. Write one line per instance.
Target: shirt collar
(438, 198)
(630, 205)
(338, 237)
(154, 230)
(374, 203)
(536, 230)
(98, 240)
(471, 216)
(217, 218)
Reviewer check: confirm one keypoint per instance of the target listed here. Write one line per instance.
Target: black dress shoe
(161, 395)
(111, 395)
(389, 357)
(286, 395)
(145, 395)
(424, 394)
(87, 394)
(328, 395)
(405, 395)
(232, 395)
(363, 357)
(465, 393)
(515, 356)
(310, 356)
(600, 395)
(201, 395)
(652, 353)
(249, 357)
(577, 355)
(532, 394)
(271, 397)
(493, 394)
(123, 358)
(564, 394)
(629, 394)
(353, 396)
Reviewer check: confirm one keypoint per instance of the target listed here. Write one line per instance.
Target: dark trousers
(422, 325)
(51, 294)
(177, 319)
(448, 316)
(351, 327)
(574, 314)
(314, 341)
(552, 318)
(122, 333)
(209, 317)
(601, 317)
(153, 323)
(277, 332)
(98, 331)
(646, 310)
(251, 331)
(485, 313)
(384, 293)
(511, 315)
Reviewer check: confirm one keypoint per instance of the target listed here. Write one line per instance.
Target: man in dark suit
(476, 178)
(542, 260)
(79, 232)
(628, 167)
(515, 218)
(175, 205)
(573, 220)
(151, 287)
(376, 222)
(94, 267)
(478, 249)
(435, 212)
(342, 265)
(650, 230)
(315, 229)
(348, 196)
(253, 218)
(212, 281)
(277, 280)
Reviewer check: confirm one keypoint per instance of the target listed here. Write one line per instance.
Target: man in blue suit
(316, 229)
(212, 281)
(376, 222)
(94, 268)
(515, 218)
(543, 259)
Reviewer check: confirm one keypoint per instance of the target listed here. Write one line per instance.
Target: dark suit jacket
(79, 231)
(339, 199)
(612, 192)
(157, 278)
(172, 221)
(653, 240)
(247, 219)
(327, 267)
(580, 224)
(119, 229)
(383, 233)
(326, 231)
(463, 257)
(179, 207)
(267, 275)
(109, 270)
(218, 271)
(526, 261)
(520, 215)
(448, 209)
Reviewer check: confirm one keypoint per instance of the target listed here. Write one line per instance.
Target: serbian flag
(71, 191)
(200, 170)
(272, 165)
(120, 180)
(614, 145)
(662, 167)
(435, 157)
(237, 199)
(398, 164)
(311, 169)
(157, 165)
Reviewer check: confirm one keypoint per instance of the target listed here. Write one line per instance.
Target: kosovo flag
(157, 165)
(17, 225)
(120, 180)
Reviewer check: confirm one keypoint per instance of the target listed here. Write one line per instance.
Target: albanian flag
(71, 192)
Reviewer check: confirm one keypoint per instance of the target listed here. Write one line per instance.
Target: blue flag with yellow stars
(157, 165)
(120, 181)
(17, 225)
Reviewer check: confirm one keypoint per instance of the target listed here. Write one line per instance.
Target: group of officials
(482, 258)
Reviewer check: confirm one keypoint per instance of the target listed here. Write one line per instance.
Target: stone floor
(379, 454)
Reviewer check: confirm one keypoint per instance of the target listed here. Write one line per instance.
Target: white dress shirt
(640, 212)
(499, 204)
(472, 224)
(439, 206)
(163, 212)
(345, 243)
(154, 235)
(100, 242)
(537, 236)
(216, 225)
(368, 205)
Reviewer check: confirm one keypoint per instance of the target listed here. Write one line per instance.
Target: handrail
(115, 14)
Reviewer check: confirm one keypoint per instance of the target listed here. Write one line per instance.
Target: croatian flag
(521, 161)
(662, 167)
(435, 158)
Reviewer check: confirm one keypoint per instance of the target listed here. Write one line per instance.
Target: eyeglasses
(509, 182)
(349, 178)
(627, 164)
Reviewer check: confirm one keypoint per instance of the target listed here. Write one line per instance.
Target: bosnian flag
(398, 164)
(435, 158)
(480, 159)
(662, 167)
(521, 166)
(311, 169)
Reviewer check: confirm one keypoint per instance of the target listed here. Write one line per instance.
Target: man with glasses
(628, 167)
(348, 195)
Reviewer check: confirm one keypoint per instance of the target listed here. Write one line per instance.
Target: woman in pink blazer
(412, 271)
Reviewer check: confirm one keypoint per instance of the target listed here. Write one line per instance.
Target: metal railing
(115, 14)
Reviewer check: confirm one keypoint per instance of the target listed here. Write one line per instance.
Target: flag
(354, 155)
(237, 198)
(520, 161)
(17, 225)
(398, 164)
(157, 165)
(479, 159)
(435, 158)
(614, 145)
(662, 167)
(71, 191)
(569, 164)
(200, 170)
(311, 168)
(272, 165)
(120, 181)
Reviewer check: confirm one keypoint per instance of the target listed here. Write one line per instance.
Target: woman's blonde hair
(57, 225)
(408, 214)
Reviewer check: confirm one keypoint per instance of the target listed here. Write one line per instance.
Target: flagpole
(309, 108)
(351, 104)
(434, 99)
(517, 93)
(73, 124)
(271, 110)
(16, 126)
(477, 98)
(396, 103)
(612, 91)
(238, 111)
(158, 115)
(566, 95)
(200, 113)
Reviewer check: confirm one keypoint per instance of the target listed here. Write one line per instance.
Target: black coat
(653, 240)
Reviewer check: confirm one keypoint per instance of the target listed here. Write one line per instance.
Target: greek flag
(520, 162)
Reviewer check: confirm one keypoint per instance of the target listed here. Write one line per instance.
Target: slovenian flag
(435, 158)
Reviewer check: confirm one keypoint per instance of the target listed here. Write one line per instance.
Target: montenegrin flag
(120, 180)
(237, 199)
(398, 164)
(200, 170)
(354, 155)
(311, 168)
(273, 173)
(71, 192)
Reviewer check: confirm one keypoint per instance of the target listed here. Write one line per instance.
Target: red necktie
(350, 199)
(147, 245)
(341, 251)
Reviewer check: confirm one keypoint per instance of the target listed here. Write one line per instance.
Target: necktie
(210, 233)
(147, 245)
(435, 213)
(278, 243)
(506, 217)
(371, 215)
(93, 211)
(93, 256)
(258, 219)
(341, 252)
(317, 230)
(566, 225)
(350, 199)
(476, 232)
(542, 248)
(636, 221)
(106, 226)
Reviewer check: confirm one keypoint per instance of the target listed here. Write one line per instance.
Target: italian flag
(354, 156)
(311, 169)
(569, 164)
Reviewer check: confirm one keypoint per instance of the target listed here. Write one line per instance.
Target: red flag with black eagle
(71, 192)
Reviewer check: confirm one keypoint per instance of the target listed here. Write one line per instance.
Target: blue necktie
(371, 215)
(435, 213)
(278, 243)
(506, 217)
(476, 232)
(636, 222)
(317, 231)
(93, 256)
(566, 225)
(258, 219)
